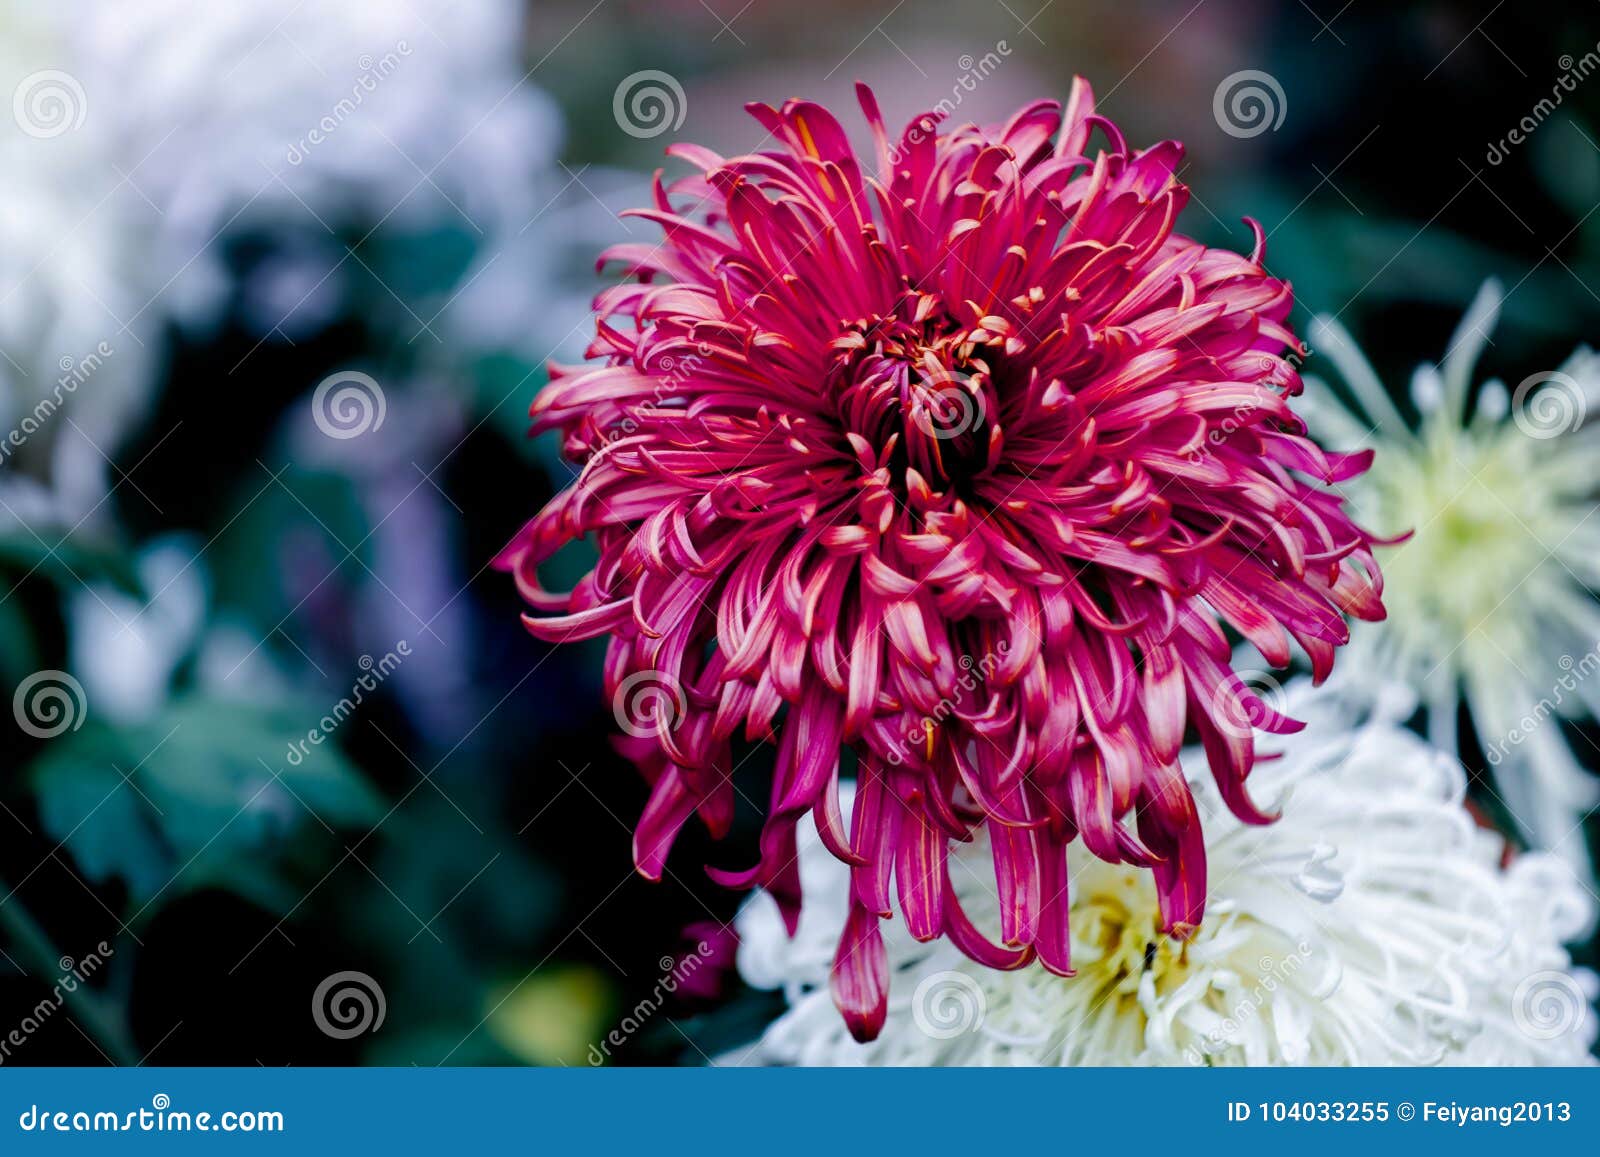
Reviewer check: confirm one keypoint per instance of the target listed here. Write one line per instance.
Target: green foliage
(303, 507)
(67, 562)
(18, 654)
(200, 795)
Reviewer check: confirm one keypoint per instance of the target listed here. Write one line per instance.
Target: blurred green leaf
(419, 264)
(18, 654)
(201, 795)
(72, 560)
(307, 518)
(504, 387)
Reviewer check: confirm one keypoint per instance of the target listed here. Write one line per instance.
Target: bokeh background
(208, 211)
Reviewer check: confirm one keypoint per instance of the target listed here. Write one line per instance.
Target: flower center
(1479, 518)
(1117, 937)
(921, 394)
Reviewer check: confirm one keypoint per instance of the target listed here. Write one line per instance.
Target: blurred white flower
(174, 159)
(1372, 925)
(71, 326)
(335, 120)
(1493, 595)
(127, 651)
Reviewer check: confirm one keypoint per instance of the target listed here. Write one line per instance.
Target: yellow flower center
(1117, 937)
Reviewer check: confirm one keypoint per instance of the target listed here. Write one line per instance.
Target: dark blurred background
(207, 557)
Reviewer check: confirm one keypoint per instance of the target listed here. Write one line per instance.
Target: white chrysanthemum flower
(1492, 596)
(333, 120)
(1372, 925)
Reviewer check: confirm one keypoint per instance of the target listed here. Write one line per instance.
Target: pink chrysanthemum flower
(963, 467)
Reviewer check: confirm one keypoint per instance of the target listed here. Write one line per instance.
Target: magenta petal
(1016, 869)
(813, 730)
(1054, 942)
(919, 871)
(860, 977)
(965, 936)
(1168, 822)
(778, 870)
(670, 804)
(874, 834)
(830, 823)
(1164, 699)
